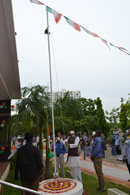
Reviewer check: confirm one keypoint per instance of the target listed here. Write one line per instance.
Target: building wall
(5, 115)
(73, 94)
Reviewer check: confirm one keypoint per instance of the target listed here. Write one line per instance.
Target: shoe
(98, 188)
(15, 180)
(101, 191)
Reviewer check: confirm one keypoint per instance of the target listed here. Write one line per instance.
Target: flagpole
(51, 96)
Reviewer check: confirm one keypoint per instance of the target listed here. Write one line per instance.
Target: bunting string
(77, 27)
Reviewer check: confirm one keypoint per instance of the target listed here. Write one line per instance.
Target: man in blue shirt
(60, 151)
(96, 157)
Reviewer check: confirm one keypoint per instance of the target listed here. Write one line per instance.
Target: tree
(124, 115)
(113, 118)
(67, 111)
(101, 121)
(36, 100)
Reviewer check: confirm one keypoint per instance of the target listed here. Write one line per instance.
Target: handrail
(19, 187)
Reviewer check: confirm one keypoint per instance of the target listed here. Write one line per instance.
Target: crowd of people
(29, 161)
(75, 146)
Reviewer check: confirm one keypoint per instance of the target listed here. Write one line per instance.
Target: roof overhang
(9, 72)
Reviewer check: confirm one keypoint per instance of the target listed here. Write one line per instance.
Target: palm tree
(35, 99)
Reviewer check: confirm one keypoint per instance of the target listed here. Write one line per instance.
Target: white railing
(18, 187)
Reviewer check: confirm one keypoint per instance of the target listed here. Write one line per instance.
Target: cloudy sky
(79, 61)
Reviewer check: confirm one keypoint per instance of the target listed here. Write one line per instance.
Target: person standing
(29, 163)
(60, 151)
(96, 157)
(87, 147)
(118, 145)
(126, 147)
(20, 143)
(73, 158)
(112, 142)
(38, 140)
(82, 147)
(103, 142)
(13, 140)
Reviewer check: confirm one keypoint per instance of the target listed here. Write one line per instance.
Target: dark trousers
(83, 152)
(33, 185)
(128, 166)
(16, 174)
(38, 145)
(118, 151)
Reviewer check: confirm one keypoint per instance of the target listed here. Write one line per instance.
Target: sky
(79, 61)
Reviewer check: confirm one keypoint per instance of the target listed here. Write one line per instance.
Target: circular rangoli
(66, 186)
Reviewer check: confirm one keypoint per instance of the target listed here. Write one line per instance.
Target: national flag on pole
(73, 24)
(37, 2)
(56, 15)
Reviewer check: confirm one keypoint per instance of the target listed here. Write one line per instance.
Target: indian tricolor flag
(37, 2)
(73, 24)
(56, 15)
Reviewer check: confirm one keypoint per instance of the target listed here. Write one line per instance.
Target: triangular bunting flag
(76, 26)
(89, 32)
(56, 15)
(73, 24)
(104, 41)
(36, 2)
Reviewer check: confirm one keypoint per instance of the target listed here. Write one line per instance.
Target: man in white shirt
(73, 157)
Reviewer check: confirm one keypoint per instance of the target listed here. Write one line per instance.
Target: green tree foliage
(123, 115)
(101, 121)
(113, 118)
(68, 112)
(36, 102)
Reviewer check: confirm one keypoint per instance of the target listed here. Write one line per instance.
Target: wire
(56, 78)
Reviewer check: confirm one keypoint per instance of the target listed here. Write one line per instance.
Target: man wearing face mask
(118, 145)
(96, 157)
(73, 157)
(60, 151)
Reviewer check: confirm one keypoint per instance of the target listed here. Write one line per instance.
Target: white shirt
(73, 161)
(37, 139)
(76, 142)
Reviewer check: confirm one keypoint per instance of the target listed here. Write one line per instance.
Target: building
(9, 71)
(62, 93)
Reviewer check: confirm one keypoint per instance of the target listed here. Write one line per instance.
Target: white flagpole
(51, 95)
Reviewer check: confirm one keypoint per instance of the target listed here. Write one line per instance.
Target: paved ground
(113, 170)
